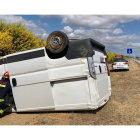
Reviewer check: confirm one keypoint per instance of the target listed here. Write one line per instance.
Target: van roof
(79, 48)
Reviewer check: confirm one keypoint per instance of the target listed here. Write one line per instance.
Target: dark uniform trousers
(5, 89)
(4, 105)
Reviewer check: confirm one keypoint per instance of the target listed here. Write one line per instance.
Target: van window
(25, 56)
(1, 62)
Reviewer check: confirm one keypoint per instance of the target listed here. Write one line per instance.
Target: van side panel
(69, 82)
(32, 91)
(24, 63)
(62, 68)
(71, 93)
(33, 97)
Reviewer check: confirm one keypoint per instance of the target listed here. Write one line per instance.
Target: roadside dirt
(122, 108)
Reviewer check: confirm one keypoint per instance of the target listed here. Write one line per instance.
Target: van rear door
(30, 81)
(101, 75)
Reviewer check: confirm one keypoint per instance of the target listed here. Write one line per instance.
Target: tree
(19, 37)
(5, 43)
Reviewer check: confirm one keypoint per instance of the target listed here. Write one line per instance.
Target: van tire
(57, 41)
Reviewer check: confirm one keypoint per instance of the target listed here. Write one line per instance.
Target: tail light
(91, 67)
(114, 63)
(125, 63)
(107, 67)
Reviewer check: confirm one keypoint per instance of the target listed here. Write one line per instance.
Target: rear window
(119, 60)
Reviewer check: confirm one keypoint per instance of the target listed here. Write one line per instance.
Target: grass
(136, 93)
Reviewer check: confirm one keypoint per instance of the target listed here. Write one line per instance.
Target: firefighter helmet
(6, 75)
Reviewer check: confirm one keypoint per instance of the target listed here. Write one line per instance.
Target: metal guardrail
(137, 61)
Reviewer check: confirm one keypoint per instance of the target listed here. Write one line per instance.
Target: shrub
(14, 37)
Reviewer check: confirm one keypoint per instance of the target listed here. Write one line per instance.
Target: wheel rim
(56, 42)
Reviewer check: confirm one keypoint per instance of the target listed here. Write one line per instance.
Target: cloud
(103, 36)
(134, 45)
(11, 19)
(46, 24)
(50, 16)
(39, 21)
(99, 27)
(117, 31)
(45, 36)
(67, 29)
(92, 33)
(97, 21)
(30, 25)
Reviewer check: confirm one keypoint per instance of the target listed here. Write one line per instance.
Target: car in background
(120, 63)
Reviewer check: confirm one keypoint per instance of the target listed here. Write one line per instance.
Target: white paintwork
(33, 97)
(103, 80)
(45, 84)
(66, 93)
(2, 70)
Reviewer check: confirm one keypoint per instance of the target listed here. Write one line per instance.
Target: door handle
(14, 82)
(100, 69)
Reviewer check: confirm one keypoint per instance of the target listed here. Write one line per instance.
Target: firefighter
(5, 89)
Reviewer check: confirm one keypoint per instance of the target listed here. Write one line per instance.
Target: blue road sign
(129, 51)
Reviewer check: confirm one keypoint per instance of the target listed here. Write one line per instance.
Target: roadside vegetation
(14, 37)
(111, 57)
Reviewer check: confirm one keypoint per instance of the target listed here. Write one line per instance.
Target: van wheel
(57, 41)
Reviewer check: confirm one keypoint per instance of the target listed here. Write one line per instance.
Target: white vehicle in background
(120, 63)
(67, 75)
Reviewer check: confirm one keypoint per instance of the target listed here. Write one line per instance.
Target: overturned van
(43, 79)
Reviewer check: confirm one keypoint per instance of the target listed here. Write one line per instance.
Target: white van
(77, 80)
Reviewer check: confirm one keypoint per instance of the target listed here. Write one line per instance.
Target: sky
(116, 32)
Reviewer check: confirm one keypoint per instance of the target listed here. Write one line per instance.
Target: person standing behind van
(5, 89)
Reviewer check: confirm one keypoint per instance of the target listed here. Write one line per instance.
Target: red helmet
(6, 75)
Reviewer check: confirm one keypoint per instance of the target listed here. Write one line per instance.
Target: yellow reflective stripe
(9, 104)
(5, 77)
(1, 111)
(1, 100)
(2, 85)
(6, 108)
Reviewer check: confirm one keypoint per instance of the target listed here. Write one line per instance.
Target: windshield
(120, 60)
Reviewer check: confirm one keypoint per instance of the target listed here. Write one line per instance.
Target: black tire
(57, 41)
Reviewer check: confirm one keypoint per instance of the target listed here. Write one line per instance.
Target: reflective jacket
(5, 88)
